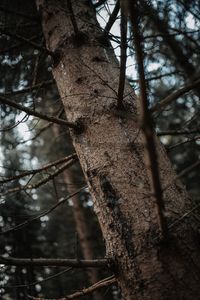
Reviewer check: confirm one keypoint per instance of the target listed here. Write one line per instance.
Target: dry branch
(27, 41)
(42, 181)
(146, 123)
(44, 213)
(112, 18)
(53, 262)
(43, 168)
(174, 96)
(37, 114)
(123, 57)
(28, 89)
(103, 283)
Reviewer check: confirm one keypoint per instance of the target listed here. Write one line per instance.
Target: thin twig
(42, 181)
(38, 281)
(174, 96)
(178, 132)
(99, 3)
(123, 57)
(28, 89)
(182, 173)
(72, 17)
(44, 213)
(189, 140)
(27, 41)
(43, 168)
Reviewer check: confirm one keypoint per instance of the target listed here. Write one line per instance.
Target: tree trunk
(82, 227)
(111, 154)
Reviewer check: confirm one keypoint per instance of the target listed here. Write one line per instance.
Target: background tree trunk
(111, 153)
(82, 228)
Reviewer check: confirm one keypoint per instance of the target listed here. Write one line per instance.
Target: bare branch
(38, 281)
(158, 77)
(37, 114)
(174, 96)
(28, 89)
(123, 57)
(189, 140)
(45, 127)
(18, 45)
(44, 213)
(146, 122)
(101, 284)
(112, 18)
(174, 45)
(45, 167)
(72, 17)
(53, 262)
(27, 41)
(42, 181)
(179, 132)
(182, 173)
(99, 3)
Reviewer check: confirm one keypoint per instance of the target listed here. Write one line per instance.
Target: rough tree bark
(111, 154)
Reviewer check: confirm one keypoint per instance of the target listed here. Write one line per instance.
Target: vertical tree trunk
(82, 227)
(111, 153)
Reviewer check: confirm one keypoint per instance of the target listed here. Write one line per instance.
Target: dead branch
(37, 114)
(53, 262)
(123, 57)
(44, 213)
(112, 18)
(174, 96)
(28, 89)
(43, 168)
(27, 41)
(178, 132)
(146, 121)
(103, 283)
(42, 181)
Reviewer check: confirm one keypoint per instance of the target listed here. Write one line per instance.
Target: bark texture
(111, 154)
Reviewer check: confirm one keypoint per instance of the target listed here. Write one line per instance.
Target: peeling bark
(111, 154)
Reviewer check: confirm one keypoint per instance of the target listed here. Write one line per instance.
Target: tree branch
(72, 17)
(44, 213)
(28, 89)
(53, 262)
(112, 18)
(146, 122)
(99, 3)
(174, 96)
(178, 132)
(38, 281)
(162, 27)
(123, 57)
(101, 284)
(37, 114)
(42, 181)
(27, 41)
(45, 167)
